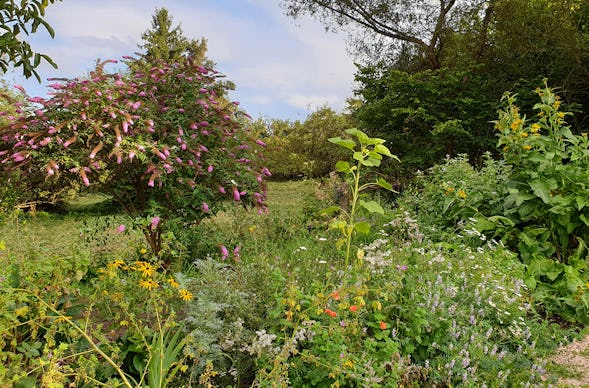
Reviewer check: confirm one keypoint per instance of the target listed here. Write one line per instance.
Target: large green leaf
(350, 144)
(362, 227)
(383, 150)
(384, 184)
(372, 206)
(329, 210)
(342, 166)
(542, 189)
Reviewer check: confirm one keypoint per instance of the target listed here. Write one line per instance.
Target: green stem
(350, 231)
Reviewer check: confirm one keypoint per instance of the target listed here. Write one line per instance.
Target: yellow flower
(349, 364)
(173, 282)
(461, 194)
(527, 147)
(556, 104)
(524, 134)
(145, 268)
(185, 294)
(515, 124)
(535, 128)
(116, 264)
(506, 148)
(560, 115)
(143, 251)
(376, 305)
(149, 284)
(288, 315)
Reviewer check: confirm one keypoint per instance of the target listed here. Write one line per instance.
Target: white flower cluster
(376, 259)
(263, 343)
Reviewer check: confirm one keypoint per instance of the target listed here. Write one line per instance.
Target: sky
(282, 68)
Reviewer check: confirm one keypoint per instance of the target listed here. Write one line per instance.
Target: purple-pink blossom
(154, 222)
(121, 228)
(224, 252)
(236, 194)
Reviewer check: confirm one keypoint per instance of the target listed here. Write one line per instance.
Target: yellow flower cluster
(149, 276)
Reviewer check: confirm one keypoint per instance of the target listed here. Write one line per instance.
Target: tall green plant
(367, 152)
(548, 202)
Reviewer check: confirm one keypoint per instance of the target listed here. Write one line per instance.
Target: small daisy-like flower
(148, 284)
(146, 269)
(535, 128)
(461, 194)
(116, 264)
(173, 282)
(185, 295)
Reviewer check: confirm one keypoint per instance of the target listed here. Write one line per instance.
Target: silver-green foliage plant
(367, 152)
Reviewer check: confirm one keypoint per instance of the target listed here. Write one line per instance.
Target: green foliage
(427, 115)
(534, 200)
(298, 149)
(17, 18)
(452, 192)
(381, 29)
(547, 192)
(167, 44)
(162, 140)
(367, 152)
(414, 311)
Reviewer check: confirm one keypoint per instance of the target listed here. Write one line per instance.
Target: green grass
(87, 227)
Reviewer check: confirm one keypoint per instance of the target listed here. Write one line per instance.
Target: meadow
(285, 312)
(177, 262)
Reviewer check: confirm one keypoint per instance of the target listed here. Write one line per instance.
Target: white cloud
(275, 64)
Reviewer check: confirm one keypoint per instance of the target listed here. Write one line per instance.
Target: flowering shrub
(162, 140)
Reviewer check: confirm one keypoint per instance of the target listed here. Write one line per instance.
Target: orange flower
(335, 295)
(353, 308)
(382, 325)
(331, 313)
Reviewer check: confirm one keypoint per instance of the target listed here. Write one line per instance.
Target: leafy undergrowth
(82, 304)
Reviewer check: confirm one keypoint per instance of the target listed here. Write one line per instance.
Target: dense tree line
(431, 73)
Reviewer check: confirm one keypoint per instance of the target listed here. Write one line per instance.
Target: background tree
(18, 18)
(383, 29)
(426, 115)
(296, 149)
(166, 43)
